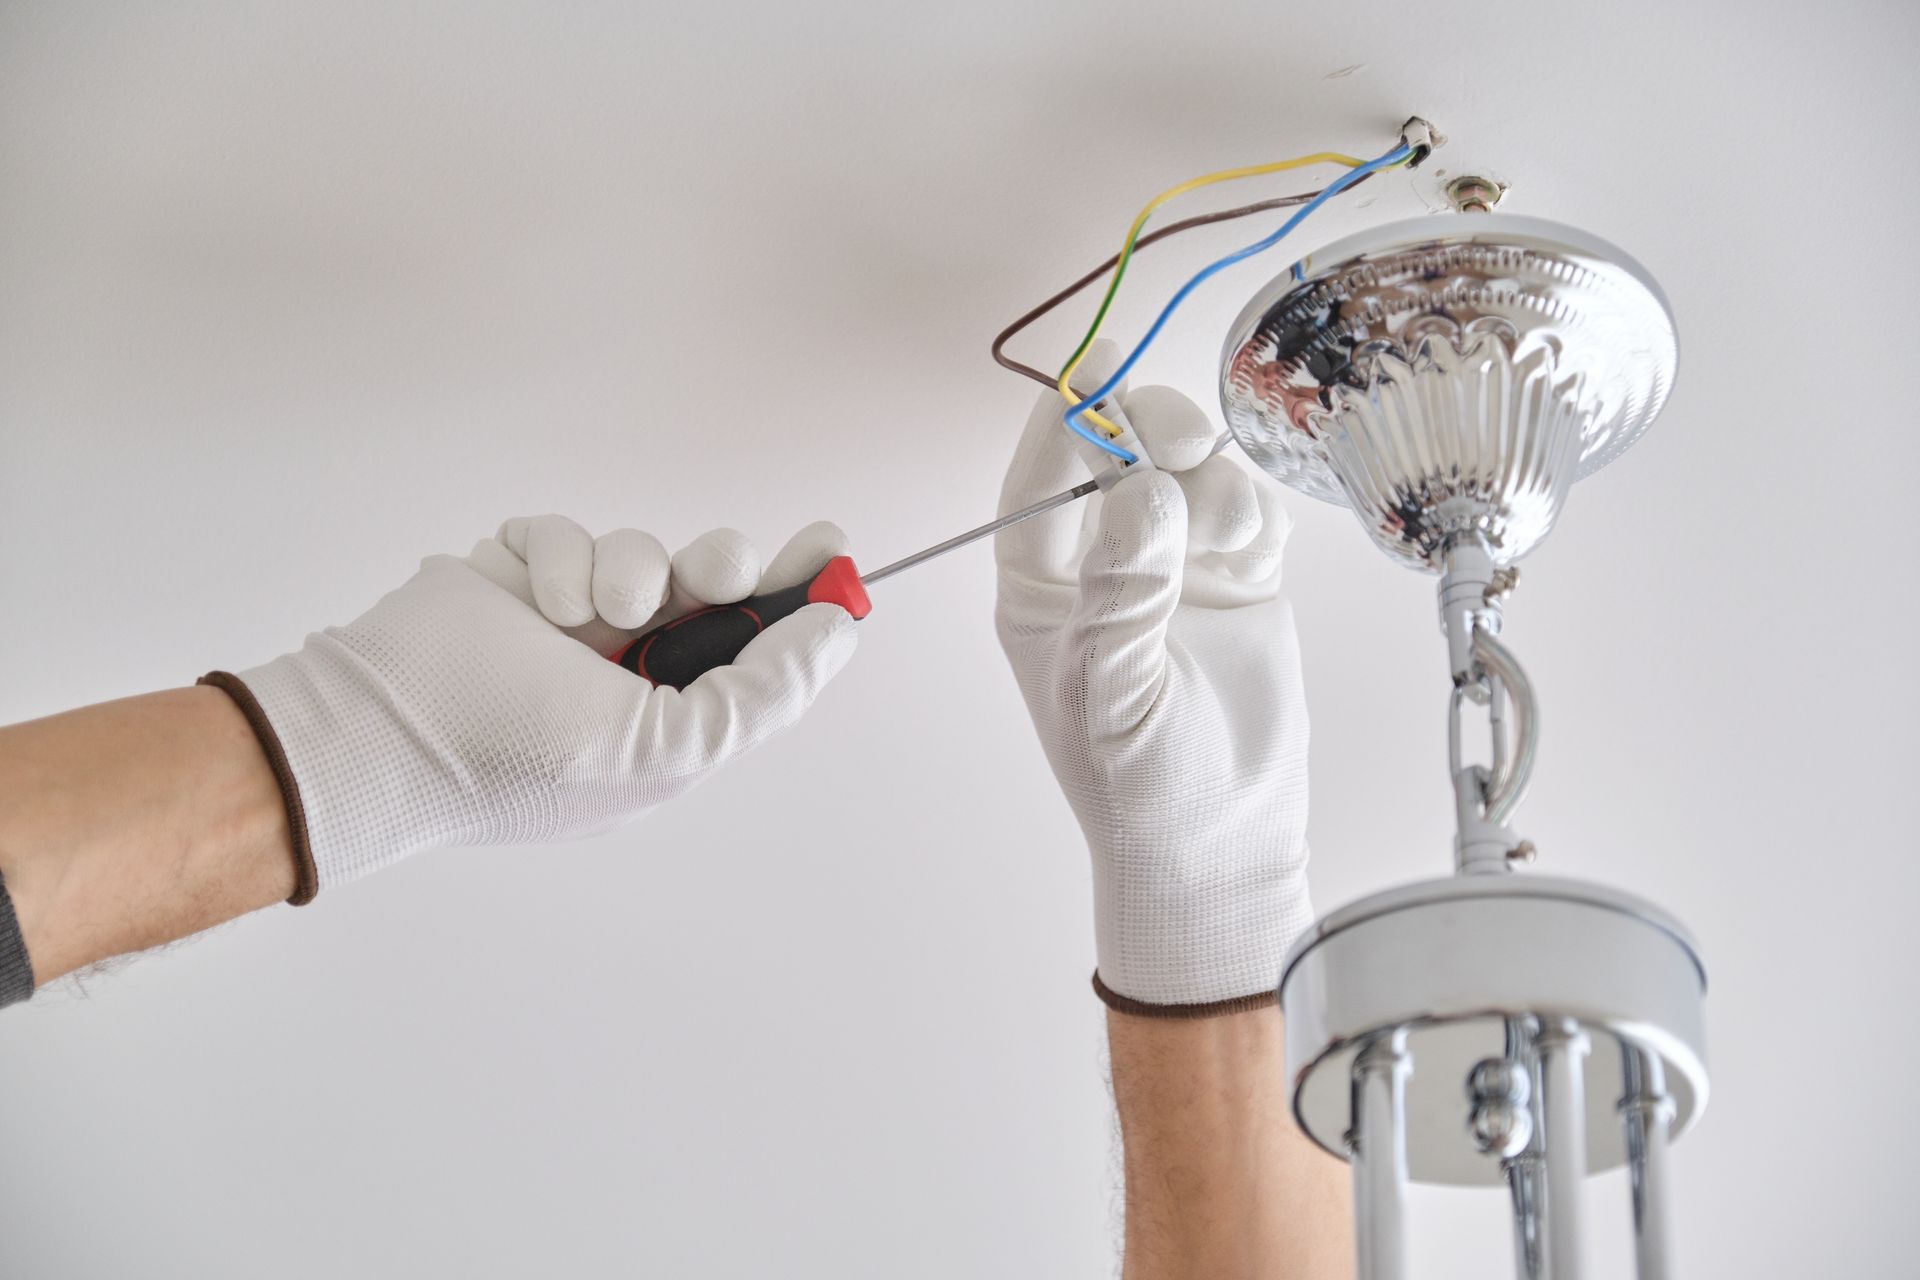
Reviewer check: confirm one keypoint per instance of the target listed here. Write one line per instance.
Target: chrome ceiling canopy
(1453, 376)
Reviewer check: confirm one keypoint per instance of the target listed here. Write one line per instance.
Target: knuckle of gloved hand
(1175, 430)
(630, 598)
(564, 603)
(1258, 565)
(1159, 489)
(1161, 501)
(1236, 521)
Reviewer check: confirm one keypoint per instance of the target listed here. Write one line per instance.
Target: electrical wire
(1140, 221)
(1014, 330)
(1399, 155)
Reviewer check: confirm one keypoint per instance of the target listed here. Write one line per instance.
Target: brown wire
(1007, 334)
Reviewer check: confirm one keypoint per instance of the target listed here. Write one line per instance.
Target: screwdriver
(677, 653)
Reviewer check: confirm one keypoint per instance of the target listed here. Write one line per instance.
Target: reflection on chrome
(1447, 376)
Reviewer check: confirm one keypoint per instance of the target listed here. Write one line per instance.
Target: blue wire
(1081, 429)
(1334, 188)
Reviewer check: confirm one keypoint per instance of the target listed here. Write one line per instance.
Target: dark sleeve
(16, 971)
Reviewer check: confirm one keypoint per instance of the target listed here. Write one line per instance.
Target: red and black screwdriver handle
(677, 653)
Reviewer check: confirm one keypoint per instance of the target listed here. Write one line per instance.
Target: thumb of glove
(1130, 585)
(733, 708)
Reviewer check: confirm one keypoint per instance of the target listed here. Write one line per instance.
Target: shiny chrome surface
(1452, 962)
(1562, 1047)
(1524, 1186)
(1450, 375)
(1647, 1111)
(1501, 1121)
(1377, 1147)
(1526, 1172)
(1512, 774)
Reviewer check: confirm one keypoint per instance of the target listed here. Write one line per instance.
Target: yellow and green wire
(1079, 408)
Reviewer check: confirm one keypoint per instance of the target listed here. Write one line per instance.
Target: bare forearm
(132, 823)
(1220, 1182)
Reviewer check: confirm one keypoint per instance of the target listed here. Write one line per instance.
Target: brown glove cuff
(306, 875)
(1212, 1009)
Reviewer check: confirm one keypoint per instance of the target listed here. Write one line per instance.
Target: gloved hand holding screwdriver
(1148, 637)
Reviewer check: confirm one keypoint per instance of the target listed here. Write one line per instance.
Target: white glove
(475, 705)
(1162, 672)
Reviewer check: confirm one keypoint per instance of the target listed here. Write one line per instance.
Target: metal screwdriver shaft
(1074, 494)
(974, 535)
(678, 652)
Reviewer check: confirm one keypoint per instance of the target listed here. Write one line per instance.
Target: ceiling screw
(1473, 194)
(1524, 852)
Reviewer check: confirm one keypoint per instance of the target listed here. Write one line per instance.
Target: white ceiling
(291, 295)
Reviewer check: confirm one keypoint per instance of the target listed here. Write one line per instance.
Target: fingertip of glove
(1222, 505)
(718, 567)
(1177, 432)
(1153, 493)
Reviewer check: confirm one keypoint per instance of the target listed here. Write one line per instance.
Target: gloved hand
(1162, 672)
(476, 704)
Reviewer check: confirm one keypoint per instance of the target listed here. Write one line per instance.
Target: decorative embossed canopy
(1448, 377)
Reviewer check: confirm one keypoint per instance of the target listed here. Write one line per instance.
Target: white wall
(291, 295)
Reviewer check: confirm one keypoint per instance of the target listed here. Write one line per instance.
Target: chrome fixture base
(1446, 964)
(1450, 377)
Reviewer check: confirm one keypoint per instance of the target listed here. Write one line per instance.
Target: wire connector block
(1422, 138)
(1107, 469)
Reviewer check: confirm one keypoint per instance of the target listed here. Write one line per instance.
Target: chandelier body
(1449, 379)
